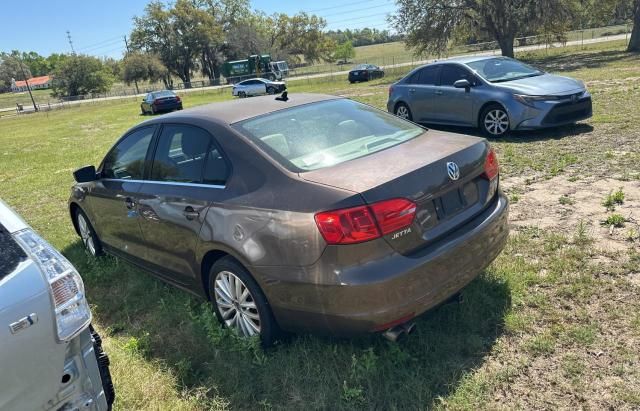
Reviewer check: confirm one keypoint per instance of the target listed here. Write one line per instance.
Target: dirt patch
(564, 205)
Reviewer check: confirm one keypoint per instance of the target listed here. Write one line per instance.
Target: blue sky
(98, 27)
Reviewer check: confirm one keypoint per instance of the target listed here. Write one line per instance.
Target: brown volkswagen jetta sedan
(307, 213)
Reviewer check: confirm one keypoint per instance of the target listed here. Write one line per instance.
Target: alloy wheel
(496, 122)
(236, 304)
(86, 235)
(402, 112)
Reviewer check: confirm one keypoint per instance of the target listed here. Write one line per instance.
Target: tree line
(431, 26)
(184, 38)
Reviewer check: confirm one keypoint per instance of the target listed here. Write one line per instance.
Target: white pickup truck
(50, 357)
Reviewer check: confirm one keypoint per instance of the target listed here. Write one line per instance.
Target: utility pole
(135, 81)
(70, 43)
(24, 76)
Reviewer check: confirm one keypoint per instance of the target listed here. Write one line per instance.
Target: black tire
(400, 111)
(242, 94)
(96, 250)
(153, 111)
(492, 121)
(268, 327)
(271, 90)
(180, 107)
(103, 366)
(144, 113)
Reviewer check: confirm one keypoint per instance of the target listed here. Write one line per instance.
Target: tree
(634, 42)
(80, 75)
(38, 65)
(10, 69)
(143, 67)
(430, 25)
(344, 52)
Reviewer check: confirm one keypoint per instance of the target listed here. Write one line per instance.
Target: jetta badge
(453, 170)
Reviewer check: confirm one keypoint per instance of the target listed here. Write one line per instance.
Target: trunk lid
(418, 170)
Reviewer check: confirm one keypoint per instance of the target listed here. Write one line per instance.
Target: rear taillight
(348, 226)
(365, 223)
(393, 215)
(178, 99)
(491, 166)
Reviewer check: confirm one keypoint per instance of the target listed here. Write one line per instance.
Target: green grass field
(553, 323)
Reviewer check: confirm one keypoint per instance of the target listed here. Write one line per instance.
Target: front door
(113, 198)
(186, 176)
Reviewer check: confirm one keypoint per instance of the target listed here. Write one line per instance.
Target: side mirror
(464, 83)
(85, 174)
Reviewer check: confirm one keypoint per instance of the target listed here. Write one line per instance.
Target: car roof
(251, 79)
(233, 111)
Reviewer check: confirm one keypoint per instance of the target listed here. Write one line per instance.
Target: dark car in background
(365, 72)
(160, 101)
(277, 210)
(495, 94)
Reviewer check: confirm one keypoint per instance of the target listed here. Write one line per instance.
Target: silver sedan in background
(495, 94)
(258, 87)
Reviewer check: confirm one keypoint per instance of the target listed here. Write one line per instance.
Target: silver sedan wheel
(236, 304)
(85, 234)
(402, 112)
(496, 122)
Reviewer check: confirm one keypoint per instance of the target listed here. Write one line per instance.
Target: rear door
(187, 174)
(455, 105)
(113, 199)
(422, 93)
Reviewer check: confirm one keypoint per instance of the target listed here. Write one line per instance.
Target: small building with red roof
(35, 83)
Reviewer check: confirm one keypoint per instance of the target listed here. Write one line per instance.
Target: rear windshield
(163, 94)
(323, 134)
(11, 254)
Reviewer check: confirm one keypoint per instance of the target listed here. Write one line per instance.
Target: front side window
(326, 133)
(452, 73)
(501, 69)
(126, 160)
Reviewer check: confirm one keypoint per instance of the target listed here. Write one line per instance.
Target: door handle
(129, 203)
(438, 93)
(191, 213)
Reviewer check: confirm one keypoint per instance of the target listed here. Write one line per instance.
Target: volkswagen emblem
(453, 170)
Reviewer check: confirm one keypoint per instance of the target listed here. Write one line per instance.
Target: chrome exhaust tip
(399, 332)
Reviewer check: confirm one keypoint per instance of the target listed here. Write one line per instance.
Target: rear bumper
(327, 298)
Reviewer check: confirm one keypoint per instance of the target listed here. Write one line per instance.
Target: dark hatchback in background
(365, 72)
(281, 214)
(160, 101)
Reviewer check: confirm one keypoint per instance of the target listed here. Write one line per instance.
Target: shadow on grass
(552, 133)
(304, 372)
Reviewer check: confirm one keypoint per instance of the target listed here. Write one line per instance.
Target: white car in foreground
(50, 357)
(258, 87)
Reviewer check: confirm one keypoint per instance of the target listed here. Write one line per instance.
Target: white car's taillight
(67, 289)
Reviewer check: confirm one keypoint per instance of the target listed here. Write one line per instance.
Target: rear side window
(11, 254)
(126, 160)
(429, 76)
(326, 133)
(188, 154)
(451, 74)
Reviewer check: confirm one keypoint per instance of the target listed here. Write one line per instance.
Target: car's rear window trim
(11, 254)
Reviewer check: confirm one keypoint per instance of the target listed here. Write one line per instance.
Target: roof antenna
(283, 96)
